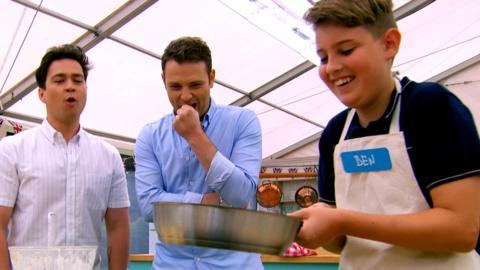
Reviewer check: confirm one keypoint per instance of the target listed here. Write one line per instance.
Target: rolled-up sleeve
(236, 177)
(9, 182)
(119, 191)
(149, 181)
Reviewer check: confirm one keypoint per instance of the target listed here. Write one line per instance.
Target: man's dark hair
(188, 49)
(66, 51)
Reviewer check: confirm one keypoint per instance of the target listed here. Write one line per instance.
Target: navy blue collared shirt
(440, 135)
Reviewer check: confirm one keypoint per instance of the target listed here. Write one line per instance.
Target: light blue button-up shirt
(167, 170)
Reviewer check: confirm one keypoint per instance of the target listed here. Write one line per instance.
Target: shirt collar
(209, 115)
(54, 136)
(379, 126)
(394, 98)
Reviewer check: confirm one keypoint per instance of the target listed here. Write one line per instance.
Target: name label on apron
(366, 160)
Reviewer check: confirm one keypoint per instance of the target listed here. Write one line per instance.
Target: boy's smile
(355, 66)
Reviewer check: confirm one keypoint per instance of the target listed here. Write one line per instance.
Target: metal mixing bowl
(224, 227)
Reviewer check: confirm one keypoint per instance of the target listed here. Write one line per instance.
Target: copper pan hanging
(269, 194)
(306, 196)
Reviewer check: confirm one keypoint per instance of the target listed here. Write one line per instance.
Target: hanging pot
(269, 194)
(306, 196)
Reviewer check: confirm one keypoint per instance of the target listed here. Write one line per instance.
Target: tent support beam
(93, 30)
(456, 69)
(88, 40)
(295, 146)
(21, 89)
(400, 13)
(273, 84)
(410, 7)
(236, 89)
(36, 120)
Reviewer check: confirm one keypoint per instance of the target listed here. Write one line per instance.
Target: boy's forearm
(336, 246)
(452, 225)
(433, 229)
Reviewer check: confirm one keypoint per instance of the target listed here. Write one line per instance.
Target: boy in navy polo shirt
(399, 171)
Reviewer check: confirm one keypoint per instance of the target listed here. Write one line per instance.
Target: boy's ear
(392, 38)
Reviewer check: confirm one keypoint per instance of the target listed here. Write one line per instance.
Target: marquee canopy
(263, 53)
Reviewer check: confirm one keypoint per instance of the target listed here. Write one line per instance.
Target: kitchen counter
(324, 260)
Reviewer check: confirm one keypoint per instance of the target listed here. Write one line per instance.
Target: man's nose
(185, 94)
(70, 86)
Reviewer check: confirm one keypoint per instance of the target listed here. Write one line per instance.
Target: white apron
(385, 191)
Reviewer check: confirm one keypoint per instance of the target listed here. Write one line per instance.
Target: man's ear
(212, 77)
(41, 94)
(392, 38)
(163, 80)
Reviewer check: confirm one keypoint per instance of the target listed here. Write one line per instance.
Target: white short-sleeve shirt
(78, 181)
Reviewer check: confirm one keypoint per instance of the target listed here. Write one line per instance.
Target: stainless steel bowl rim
(224, 227)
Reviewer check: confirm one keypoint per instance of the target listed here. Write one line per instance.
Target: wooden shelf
(288, 175)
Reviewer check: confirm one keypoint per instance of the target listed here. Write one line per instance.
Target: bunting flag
(15, 126)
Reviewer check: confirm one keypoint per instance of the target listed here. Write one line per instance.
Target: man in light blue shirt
(201, 153)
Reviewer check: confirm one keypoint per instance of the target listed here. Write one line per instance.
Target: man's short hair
(66, 51)
(188, 49)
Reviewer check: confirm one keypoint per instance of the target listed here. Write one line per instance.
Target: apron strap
(394, 124)
(350, 115)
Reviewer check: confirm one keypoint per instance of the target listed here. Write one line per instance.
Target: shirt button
(187, 158)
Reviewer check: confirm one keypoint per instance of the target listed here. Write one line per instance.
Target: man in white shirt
(58, 167)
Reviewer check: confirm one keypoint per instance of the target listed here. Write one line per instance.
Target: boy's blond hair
(375, 15)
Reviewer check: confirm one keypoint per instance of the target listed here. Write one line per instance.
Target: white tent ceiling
(256, 66)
